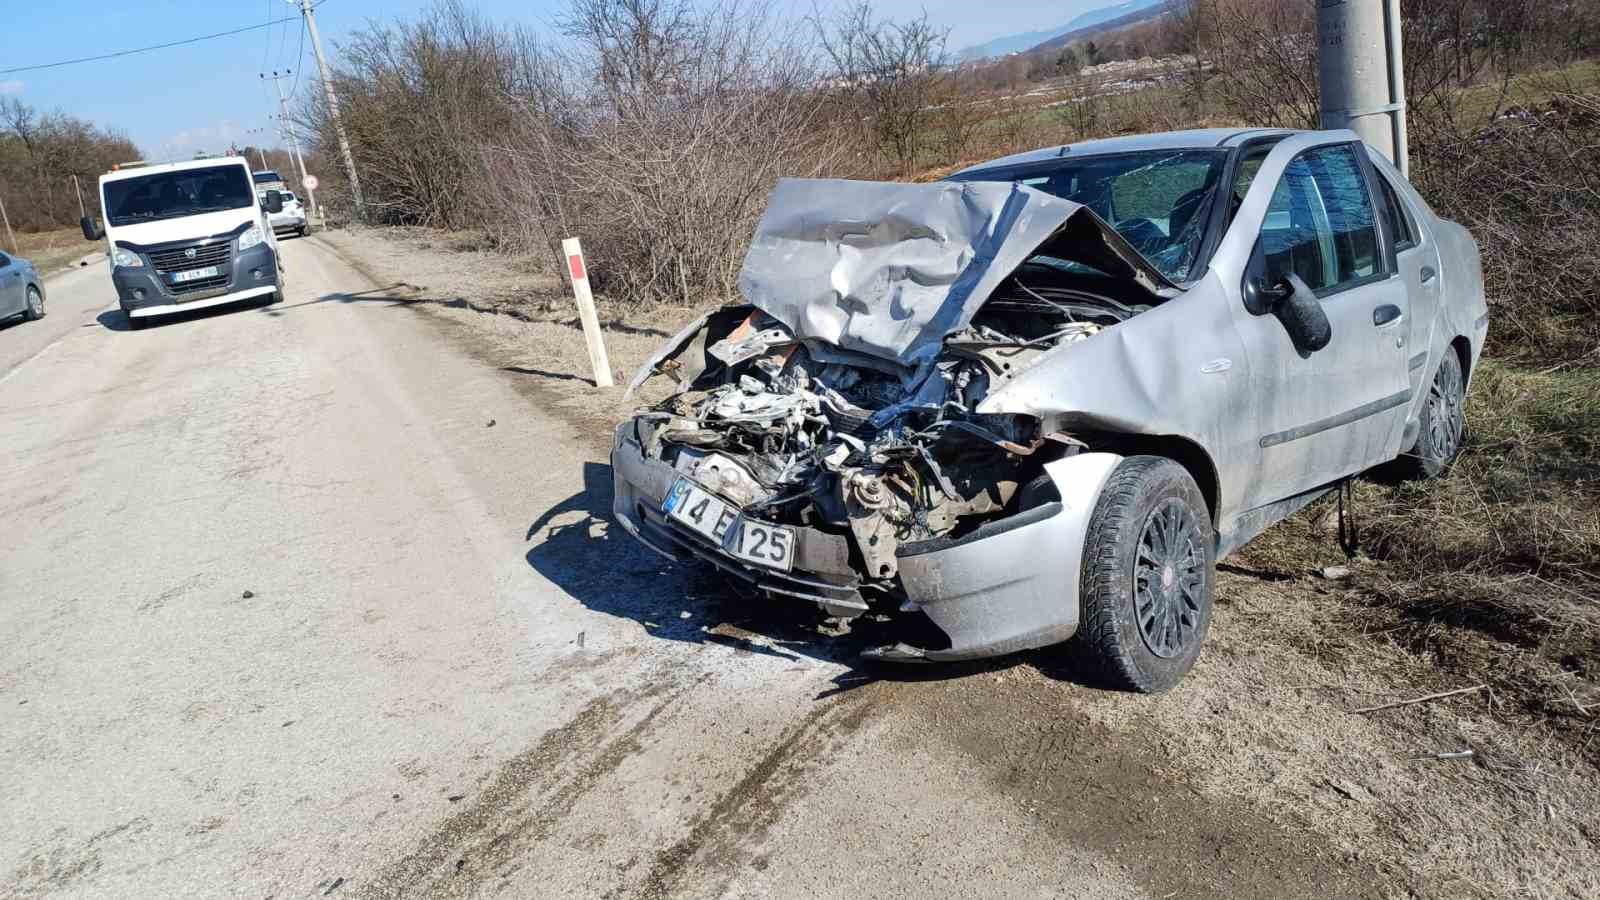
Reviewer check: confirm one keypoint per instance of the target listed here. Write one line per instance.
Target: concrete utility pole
(1361, 63)
(333, 110)
(287, 128)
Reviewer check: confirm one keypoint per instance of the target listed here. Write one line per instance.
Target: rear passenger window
(1320, 224)
(1405, 236)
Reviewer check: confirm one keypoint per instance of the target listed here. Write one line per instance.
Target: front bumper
(1010, 585)
(252, 273)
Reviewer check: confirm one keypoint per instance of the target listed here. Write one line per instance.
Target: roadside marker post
(579, 273)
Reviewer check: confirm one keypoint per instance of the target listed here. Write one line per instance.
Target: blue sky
(205, 96)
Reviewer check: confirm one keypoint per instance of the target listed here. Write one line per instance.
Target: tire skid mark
(723, 835)
(494, 828)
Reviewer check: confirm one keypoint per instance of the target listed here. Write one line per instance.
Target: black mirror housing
(274, 202)
(1300, 311)
(91, 229)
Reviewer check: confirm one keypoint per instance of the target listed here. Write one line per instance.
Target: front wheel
(1147, 578)
(35, 310)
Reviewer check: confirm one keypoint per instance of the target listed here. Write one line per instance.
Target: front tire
(35, 309)
(1443, 423)
(1148, 577)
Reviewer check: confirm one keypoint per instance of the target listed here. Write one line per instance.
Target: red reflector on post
(575, 262)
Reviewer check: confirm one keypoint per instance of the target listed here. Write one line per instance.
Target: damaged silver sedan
(1038, 401)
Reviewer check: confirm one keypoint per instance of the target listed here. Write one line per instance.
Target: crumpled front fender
(1012, 584)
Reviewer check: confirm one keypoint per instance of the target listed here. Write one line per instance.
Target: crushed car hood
(889, 270)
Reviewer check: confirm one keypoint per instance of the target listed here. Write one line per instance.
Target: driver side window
(1320, 224)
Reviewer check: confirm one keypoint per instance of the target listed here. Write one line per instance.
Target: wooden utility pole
(287, 128)
(333, 111)
(77, 189)
(7, 220)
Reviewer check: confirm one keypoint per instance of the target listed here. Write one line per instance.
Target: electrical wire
(299, 59)
(193, 40)
(266, 52)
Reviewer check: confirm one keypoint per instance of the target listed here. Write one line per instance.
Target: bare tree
(897, 70)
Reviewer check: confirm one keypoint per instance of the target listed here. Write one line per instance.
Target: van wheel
(1443, 420)
(1148, 577)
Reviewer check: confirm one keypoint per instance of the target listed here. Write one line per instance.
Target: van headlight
(125, 259)
(250, 238)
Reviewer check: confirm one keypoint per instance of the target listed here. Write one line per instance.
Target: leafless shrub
(895, 70)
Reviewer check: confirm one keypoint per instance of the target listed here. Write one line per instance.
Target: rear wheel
(1443, 421)
(35, 308)
(1147, 578)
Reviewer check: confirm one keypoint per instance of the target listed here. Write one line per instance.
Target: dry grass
(52, 250)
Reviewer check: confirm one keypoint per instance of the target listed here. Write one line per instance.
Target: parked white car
(291, 218)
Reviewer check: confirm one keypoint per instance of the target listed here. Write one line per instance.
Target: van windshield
(168, 195)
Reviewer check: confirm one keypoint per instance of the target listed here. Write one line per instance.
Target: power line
(193, 40)
(299, 58)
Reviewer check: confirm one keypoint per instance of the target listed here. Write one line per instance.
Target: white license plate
(763, 544)
(755, 542)
(194, 274)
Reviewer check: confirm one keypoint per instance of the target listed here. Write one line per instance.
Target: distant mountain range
(1130, 10)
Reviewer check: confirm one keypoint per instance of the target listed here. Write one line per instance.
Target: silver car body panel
(1012, 587)
(888, 270)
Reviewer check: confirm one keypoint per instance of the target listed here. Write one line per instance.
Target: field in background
(52, 250)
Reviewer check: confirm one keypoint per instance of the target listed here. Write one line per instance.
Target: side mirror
(274, 201)
(91, 229)
(1301, 314)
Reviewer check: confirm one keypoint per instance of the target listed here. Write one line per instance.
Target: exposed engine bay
(800, 433)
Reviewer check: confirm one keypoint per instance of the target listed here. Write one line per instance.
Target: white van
(187, 235)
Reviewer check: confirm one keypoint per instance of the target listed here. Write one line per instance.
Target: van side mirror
(91, 229)
(274, 202)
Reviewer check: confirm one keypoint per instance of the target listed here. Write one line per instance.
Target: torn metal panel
(1012, 585)
(888, 270)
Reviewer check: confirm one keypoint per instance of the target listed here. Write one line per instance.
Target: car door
(11, 287)
(1417, 263)
(1318, 416)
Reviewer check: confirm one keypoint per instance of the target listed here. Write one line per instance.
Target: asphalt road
(301, 600)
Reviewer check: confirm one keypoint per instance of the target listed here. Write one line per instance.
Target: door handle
(1428, 274)
(1387, 314)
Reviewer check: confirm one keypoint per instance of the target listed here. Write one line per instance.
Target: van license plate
(194, 274)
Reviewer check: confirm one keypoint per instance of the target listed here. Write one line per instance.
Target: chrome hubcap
(1168, 577)
(1445, 423)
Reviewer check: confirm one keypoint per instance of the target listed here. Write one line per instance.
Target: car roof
(139, 171)
(1194, 139)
